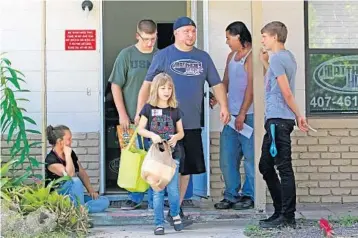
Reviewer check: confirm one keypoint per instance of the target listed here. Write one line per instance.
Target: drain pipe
(43, 87)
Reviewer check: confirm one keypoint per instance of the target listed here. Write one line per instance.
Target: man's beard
(190, 44)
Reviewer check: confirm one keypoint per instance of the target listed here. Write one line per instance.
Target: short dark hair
(147, 26)
(276, 28)
(55, 133)
(239, 28)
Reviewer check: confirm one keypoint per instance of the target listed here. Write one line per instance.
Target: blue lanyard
(273, 149)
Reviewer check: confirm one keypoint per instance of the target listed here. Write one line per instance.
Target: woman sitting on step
(62, 161)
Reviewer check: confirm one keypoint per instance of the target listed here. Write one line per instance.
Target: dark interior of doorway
(165, 35)
(112, 152)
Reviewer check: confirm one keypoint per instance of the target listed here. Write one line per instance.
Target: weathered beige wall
(73, 77)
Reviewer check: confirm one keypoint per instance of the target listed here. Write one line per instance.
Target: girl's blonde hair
(158, 81)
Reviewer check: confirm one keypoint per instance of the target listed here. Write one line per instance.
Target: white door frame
(193, 14)
(102, 176)
(206, 99)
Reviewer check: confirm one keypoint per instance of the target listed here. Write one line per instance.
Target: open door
(201, 182)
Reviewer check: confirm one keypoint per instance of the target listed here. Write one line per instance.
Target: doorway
(165, 38)
(165, 35)
(119, 28)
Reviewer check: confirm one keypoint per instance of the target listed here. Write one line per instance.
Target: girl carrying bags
(160, 120)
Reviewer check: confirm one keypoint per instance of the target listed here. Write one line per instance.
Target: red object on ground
(326, 227)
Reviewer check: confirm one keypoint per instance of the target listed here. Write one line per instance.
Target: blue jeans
(233, 146)
(138, 197)
(173, 198)
(74, 188)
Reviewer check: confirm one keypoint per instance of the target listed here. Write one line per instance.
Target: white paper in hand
(246, 131)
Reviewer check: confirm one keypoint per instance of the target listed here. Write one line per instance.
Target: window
(331, 34)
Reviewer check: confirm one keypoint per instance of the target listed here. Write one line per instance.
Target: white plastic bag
(158, 167)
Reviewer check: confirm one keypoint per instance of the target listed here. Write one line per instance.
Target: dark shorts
(193, 160)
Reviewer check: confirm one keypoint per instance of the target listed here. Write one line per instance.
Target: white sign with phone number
(329, 101)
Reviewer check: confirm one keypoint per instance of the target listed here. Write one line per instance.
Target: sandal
(159, 230)
(178, 225)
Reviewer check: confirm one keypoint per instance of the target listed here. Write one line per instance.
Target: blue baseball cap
(183, 21)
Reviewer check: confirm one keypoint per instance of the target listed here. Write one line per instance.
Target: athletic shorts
(193, 160)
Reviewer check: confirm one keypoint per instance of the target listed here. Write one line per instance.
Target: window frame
(309, 51)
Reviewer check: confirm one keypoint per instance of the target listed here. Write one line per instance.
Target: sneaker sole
(159, 233)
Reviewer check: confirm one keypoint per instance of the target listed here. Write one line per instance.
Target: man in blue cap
(190, 68)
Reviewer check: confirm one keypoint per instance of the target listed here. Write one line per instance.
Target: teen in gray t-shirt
(281, 63)
(281, 112)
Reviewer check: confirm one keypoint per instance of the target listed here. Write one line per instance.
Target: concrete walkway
(225, 229)
(209, 222)
(203, 212)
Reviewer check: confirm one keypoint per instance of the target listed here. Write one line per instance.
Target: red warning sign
(80, 39)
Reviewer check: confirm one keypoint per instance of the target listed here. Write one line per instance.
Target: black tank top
(53, 158)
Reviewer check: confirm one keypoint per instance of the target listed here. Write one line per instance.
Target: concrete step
(118, 217)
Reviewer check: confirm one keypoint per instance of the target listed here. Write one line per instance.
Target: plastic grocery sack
(158, 167)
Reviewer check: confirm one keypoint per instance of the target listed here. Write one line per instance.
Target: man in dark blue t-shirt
(190, 68)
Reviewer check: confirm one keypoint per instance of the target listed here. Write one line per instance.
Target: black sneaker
(224, 204)
(271, 218)
(279, 222)
(130, 205)
(244, 203)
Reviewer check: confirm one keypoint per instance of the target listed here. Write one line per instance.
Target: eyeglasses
(148, 39)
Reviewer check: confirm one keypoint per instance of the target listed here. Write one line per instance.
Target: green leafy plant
(69, 217)
(7, 183)
(38, 196)
(13, 120)
(29, 198)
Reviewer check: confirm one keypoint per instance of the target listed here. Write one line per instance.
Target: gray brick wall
(86, 146)
(325, 163)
